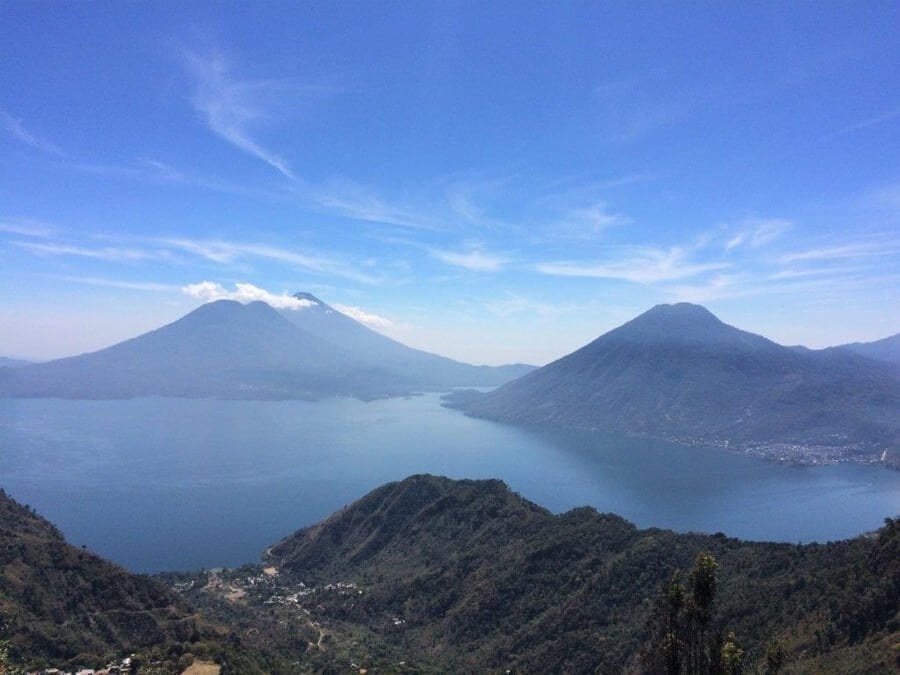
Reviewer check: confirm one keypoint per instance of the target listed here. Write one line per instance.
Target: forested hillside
(467, 574)
(431, 574)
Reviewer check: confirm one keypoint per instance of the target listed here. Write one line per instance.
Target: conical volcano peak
(680, 322)
(309, 297)
(680, 311)
(682, 316)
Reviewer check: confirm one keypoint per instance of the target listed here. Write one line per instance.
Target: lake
(162, 484)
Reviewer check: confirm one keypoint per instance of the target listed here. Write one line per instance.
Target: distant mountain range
(6, 362)
(412, 365)
(229, 350)
(678, 372)
(675, 372)
(886, 349)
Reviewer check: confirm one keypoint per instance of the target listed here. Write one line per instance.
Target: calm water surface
(160, 483)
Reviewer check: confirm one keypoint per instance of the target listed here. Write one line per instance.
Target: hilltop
(461, 575)
(887, 349)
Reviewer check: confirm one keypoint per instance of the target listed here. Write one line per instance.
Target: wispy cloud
(756, 232)
(208, 291)
(631, 108)
(27, 228)
(16, 128)
(107, 253)
(882, 197)
(470, 194)
(722, 287)
(451, 202)
(845, 252)
(588, 221)
(815, 272)
(875, 120)
(179, 249)
(475, 259)
(229, 107)
(719, 287)
(358, 202)
(224, 252)
(564, 192)
(364, 317)
(116, 283)
(215, 251)
(148, 170)
(639, 265)
(514, 303)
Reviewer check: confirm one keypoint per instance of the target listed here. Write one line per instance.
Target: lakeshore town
(301, 609)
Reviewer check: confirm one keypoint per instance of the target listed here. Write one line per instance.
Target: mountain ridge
(677, 372)
(886, 349)
(227, 349)
(481, 579)
(415, 365)
(6, 362)
(449, 575)
(222, 348)
(65, 604)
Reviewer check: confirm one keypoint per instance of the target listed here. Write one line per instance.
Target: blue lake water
(157, 484)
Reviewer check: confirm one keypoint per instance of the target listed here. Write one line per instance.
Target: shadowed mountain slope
(64, 607)
(483, 579)
(458, 576)
(228, 350)
(222, 349)
(62, 602)
(886, 349)
(678, 372)
(413, 365)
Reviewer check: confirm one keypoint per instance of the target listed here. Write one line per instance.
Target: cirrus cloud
(228, 107)
(640, 265)
(756, 232)
(475, 259)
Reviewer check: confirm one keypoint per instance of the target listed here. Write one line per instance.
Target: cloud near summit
(208, 291)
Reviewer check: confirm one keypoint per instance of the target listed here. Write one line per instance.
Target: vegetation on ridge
(431, 574)
(467, 575)
(63, 606)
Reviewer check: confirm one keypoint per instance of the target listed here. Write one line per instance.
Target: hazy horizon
(495, 184)
(348, 311)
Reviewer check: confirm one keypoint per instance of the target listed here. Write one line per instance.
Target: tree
(704, 582)
(775, 657)
(732, 656)
(683, 634)
(674, 604)
(5, 668)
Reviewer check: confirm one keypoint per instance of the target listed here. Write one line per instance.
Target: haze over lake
(159, 483)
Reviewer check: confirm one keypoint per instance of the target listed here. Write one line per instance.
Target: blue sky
(492, 181)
